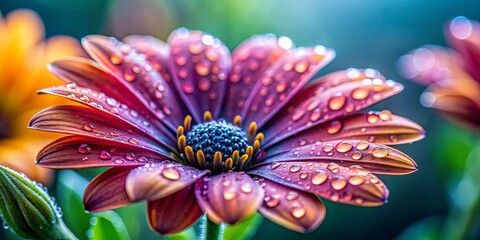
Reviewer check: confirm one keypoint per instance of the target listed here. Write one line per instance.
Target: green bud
(28, 210)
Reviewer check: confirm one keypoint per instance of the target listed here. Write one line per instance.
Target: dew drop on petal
(229, 194)
(116, 59)
(130, 156)
(374, 180)
(372, 118)
(319, 177)
(171, 173)
(327, 147)
(202, 68)
(88, 127)
(246, 188)
(275, 165)
(297, 114)
(188, 87)
(291, 195)
(337, 102)
(104, 155)
(84, 149)
(133, 141)
(356, 155)
(393, 138)
(204, 84)
(301, 67)
(380, 152)
(362, 145)
(334, 127)
(339, 183)
(273, 200)
(295, 168)
(385, 115)
(297, 211)
(129, 76)
(303, 175)
(344, 146)
(360, 93)
(356, 180)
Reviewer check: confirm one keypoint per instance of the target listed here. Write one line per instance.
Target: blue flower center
(217, 136)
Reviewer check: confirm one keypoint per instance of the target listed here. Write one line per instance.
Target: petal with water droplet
(200, 65)
(250, 59)
(303, 214)
(387, 161)
(181, 204)
(71, 120)
(282, 80)
(107, 191)
(229, 203)
(86, 152)
(137, 73)
(328, 104)
(158, 180)
(335, 183)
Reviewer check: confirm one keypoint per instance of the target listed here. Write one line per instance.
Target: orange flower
(24, 55)
(193, 129)
(453, 75)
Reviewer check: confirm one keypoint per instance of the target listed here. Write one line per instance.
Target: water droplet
(319, 177)
(116, 59)
(360, 93)
(246, 188)
(84, 149)
(297, 114)
(204, 84)
(344, 146)
(195, 48)
(333, 167)
(273, 200)
(188, 87)
(130, 156)
(281, 87)
(337, 102)
(84, 98)
(171, 173)
(297, 211)
(203, 68)
(71, 85)
(356, 155)
(328, 147)
(316, 114)
(88, 127)
(362, 145)
(112, 102)
(275, 165)
(339, 183)
(229, 194)
(374, 180)
(119, 161)
(133, 141)
(335, 197)
(372, 118)
(380, 152)
(301, 67)
(385, 115)
(129, 75)
(359, 201)
(291, 195)
(227, 183)
(334, 127)
(142, 159)
(104, 155)
(295, 168)
(303, 175)
(393, 138)
(356, 180)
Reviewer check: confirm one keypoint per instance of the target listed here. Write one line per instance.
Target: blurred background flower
(371, 33)
(24, 53)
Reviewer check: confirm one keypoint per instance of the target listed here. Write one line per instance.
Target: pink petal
(298, 211)
(86, 152)
(156, 51)
(174, 213)
(373, 157)
(200, 66)
(350, 185)
(464, 36)
(92, 123)
(228, 197)
(329, 104)
(86, 73)
(250, 59)
(139, 75)
(281, 81)
(379, 127)
(107, 191)
(110, 106)
(158, 180)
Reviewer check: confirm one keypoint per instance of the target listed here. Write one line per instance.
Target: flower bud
(28, 210)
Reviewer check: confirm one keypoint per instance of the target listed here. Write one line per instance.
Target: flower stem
(214, 231)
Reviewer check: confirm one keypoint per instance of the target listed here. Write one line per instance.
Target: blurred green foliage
(371, 33)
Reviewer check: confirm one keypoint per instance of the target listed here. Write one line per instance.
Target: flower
(24, 53)
(453, 75)
(193, 130)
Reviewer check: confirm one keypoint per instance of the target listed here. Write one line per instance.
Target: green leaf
(185, 235)
(245, 229)
(107, 225)
(28, 209)
(70, 188)
(425, 229)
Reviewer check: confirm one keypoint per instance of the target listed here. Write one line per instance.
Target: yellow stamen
(249, 151)
(237, 120)
(242, 160)
(187, 121)
(260, 137)
(207, 116)
(228, 164)
(201, 158)
(256, 146)
(217, 161)
(189, 155)
(180, 131)
(235, 156)
(182, 141)
(252, 129)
